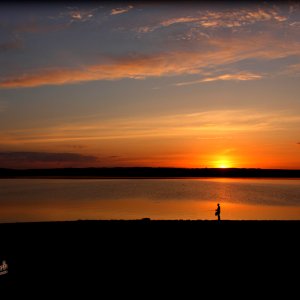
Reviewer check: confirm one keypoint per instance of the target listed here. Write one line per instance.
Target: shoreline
(149, 220)
(149, 172)
(148, 177)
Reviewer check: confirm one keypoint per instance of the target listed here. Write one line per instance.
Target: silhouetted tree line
(141, 172)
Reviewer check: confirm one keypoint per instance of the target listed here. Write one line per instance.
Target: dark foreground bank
(149, 255)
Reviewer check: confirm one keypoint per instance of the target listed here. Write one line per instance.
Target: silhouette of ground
(147, 172)
(154, 255)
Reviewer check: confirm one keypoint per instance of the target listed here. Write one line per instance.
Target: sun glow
(223, 167)
(222, 164)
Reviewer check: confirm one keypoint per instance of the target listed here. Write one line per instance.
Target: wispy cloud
(211, 53)
(117, 11)
(218, 19)
(242, 17)
(75, 14)
(43, 159)
(129, 67)
(216, 54)
(235, 77)
(238, 77)
(178, 20)
(166, 23)
(199, 125)
(60, 21)
(295, 24)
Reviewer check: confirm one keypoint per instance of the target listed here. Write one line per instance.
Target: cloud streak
(221, 19)
(200, 125)
(43, 159)
(238, 77)
(217, 53)
(211, 54)
(238, 18)
(179, 20)
(75, 14)
(118, 11)
(81, 15)
(224, 77)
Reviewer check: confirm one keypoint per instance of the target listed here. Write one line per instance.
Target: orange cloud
(237, 77)
(136, 67)
(228, 18)
(217, 53)
(237, 18)
(27, 159)
(117, 11)
(178, 20)
(200, 125)
(81, 15)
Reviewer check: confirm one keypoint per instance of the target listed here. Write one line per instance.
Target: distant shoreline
(142, 178)
(147, 173)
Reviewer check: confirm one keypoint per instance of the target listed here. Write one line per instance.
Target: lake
(24, 200)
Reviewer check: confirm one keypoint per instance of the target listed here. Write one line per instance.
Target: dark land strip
(147, 172)
(154, 255)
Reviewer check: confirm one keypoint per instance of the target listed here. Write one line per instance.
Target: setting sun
(222, 164)
(223, 167)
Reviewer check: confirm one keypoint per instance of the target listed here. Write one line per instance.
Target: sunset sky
(162, 84)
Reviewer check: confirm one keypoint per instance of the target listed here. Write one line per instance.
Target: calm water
(73, 199)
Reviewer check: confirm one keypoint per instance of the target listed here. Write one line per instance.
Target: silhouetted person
(218, 213)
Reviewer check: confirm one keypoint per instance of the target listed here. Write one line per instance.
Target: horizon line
(148, 167)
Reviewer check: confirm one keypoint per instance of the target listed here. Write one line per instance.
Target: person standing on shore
(218, 212)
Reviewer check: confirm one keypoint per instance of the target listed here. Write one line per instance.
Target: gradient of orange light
(175, 147)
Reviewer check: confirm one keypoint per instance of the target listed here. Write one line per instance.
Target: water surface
(73, 199)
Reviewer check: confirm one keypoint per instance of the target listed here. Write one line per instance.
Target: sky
(159, 84)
